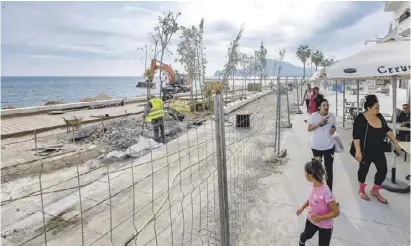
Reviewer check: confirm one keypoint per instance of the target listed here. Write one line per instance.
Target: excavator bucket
(146, 84)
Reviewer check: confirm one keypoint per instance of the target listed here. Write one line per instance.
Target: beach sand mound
(9, 107)
(99, 97)
(53, 103)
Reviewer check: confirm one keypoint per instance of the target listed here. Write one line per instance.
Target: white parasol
(388, 59)
(392, 57)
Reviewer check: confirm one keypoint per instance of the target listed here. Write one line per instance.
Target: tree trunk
(196, 100)
(255, 69)
(245, 87)
(304, 71)
(192, 94)
(232, 77)
(161, 81)
(261, 81)
(200, 75)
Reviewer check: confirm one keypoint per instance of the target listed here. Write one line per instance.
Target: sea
(36, 91)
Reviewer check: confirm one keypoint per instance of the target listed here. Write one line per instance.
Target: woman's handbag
(352, 149)
(386, 145)
(338, 145)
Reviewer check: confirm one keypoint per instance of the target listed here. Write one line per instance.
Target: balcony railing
(404, 16)
(393, 33)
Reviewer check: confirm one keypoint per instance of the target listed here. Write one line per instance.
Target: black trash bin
(243, 120)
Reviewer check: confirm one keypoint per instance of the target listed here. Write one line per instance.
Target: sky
(103, 38)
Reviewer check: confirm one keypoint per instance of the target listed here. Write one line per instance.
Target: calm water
(35, 91)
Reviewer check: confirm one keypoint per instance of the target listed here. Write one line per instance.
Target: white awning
(386, 59)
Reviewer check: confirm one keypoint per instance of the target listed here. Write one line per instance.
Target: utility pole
(144, 48)
(145, 69)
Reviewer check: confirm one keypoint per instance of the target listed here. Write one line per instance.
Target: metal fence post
(298, 96)
(288, 104)
(336, 98)
(344, 103)
(222, 170)
(278, 115)
(358, 97)
(301, 86)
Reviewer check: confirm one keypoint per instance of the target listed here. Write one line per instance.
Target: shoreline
(15, 112)
(11, 100)
(21, 122)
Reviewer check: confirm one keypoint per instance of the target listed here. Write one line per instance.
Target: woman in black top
(369, 132)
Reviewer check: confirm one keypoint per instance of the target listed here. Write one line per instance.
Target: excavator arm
(161, 66)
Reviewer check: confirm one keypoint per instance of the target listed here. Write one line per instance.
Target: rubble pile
(121, 134)
(117, 135)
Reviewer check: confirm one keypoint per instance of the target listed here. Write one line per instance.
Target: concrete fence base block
(283, 153)
(298, 111)
(398, 187)
(287, 125)
(270, 155)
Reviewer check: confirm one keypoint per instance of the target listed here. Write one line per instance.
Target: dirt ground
(19, 157)
(167, 194)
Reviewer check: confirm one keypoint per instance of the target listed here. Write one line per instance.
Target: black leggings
(324, 235)
(328, 163)
(307, 102)
(380, 163)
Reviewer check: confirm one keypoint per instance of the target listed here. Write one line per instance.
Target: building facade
(400, 26)
(400, 23)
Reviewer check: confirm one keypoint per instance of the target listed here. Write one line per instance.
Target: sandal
(374, 192)
(363, 195)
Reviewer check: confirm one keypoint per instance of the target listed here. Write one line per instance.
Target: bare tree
(154, 40)
(201, 60)
(261, 61)
(187, 49)
(167, 27)
(247, 64)
(233, 59)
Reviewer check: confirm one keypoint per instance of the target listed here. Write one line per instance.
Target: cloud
(101, 38)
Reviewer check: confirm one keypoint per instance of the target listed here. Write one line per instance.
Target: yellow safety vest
(156, 109)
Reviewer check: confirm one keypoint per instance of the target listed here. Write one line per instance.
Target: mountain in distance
(287, 69)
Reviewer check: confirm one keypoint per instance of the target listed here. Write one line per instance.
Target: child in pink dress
(322, 207)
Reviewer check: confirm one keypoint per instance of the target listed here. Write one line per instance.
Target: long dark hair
(370, 100)
(315, 168)
(318, 100)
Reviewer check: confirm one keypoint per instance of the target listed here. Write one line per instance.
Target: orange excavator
(176, 82)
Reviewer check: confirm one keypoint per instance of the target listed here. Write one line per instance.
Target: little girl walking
(322, 207)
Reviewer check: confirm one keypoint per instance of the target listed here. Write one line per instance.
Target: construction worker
(155, 113)
(218, 87)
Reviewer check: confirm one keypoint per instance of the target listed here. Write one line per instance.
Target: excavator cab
(179, 79)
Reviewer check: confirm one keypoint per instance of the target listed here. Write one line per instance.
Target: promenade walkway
(25, 124)
(360, 222)
(20, 125)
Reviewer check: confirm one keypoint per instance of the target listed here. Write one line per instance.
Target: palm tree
(317, 58)
(327, 62)
(303, 53)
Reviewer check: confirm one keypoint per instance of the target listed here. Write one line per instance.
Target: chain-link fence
(112, 184)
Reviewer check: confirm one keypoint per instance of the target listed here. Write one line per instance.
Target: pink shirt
(320, 197)
(313, 105)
